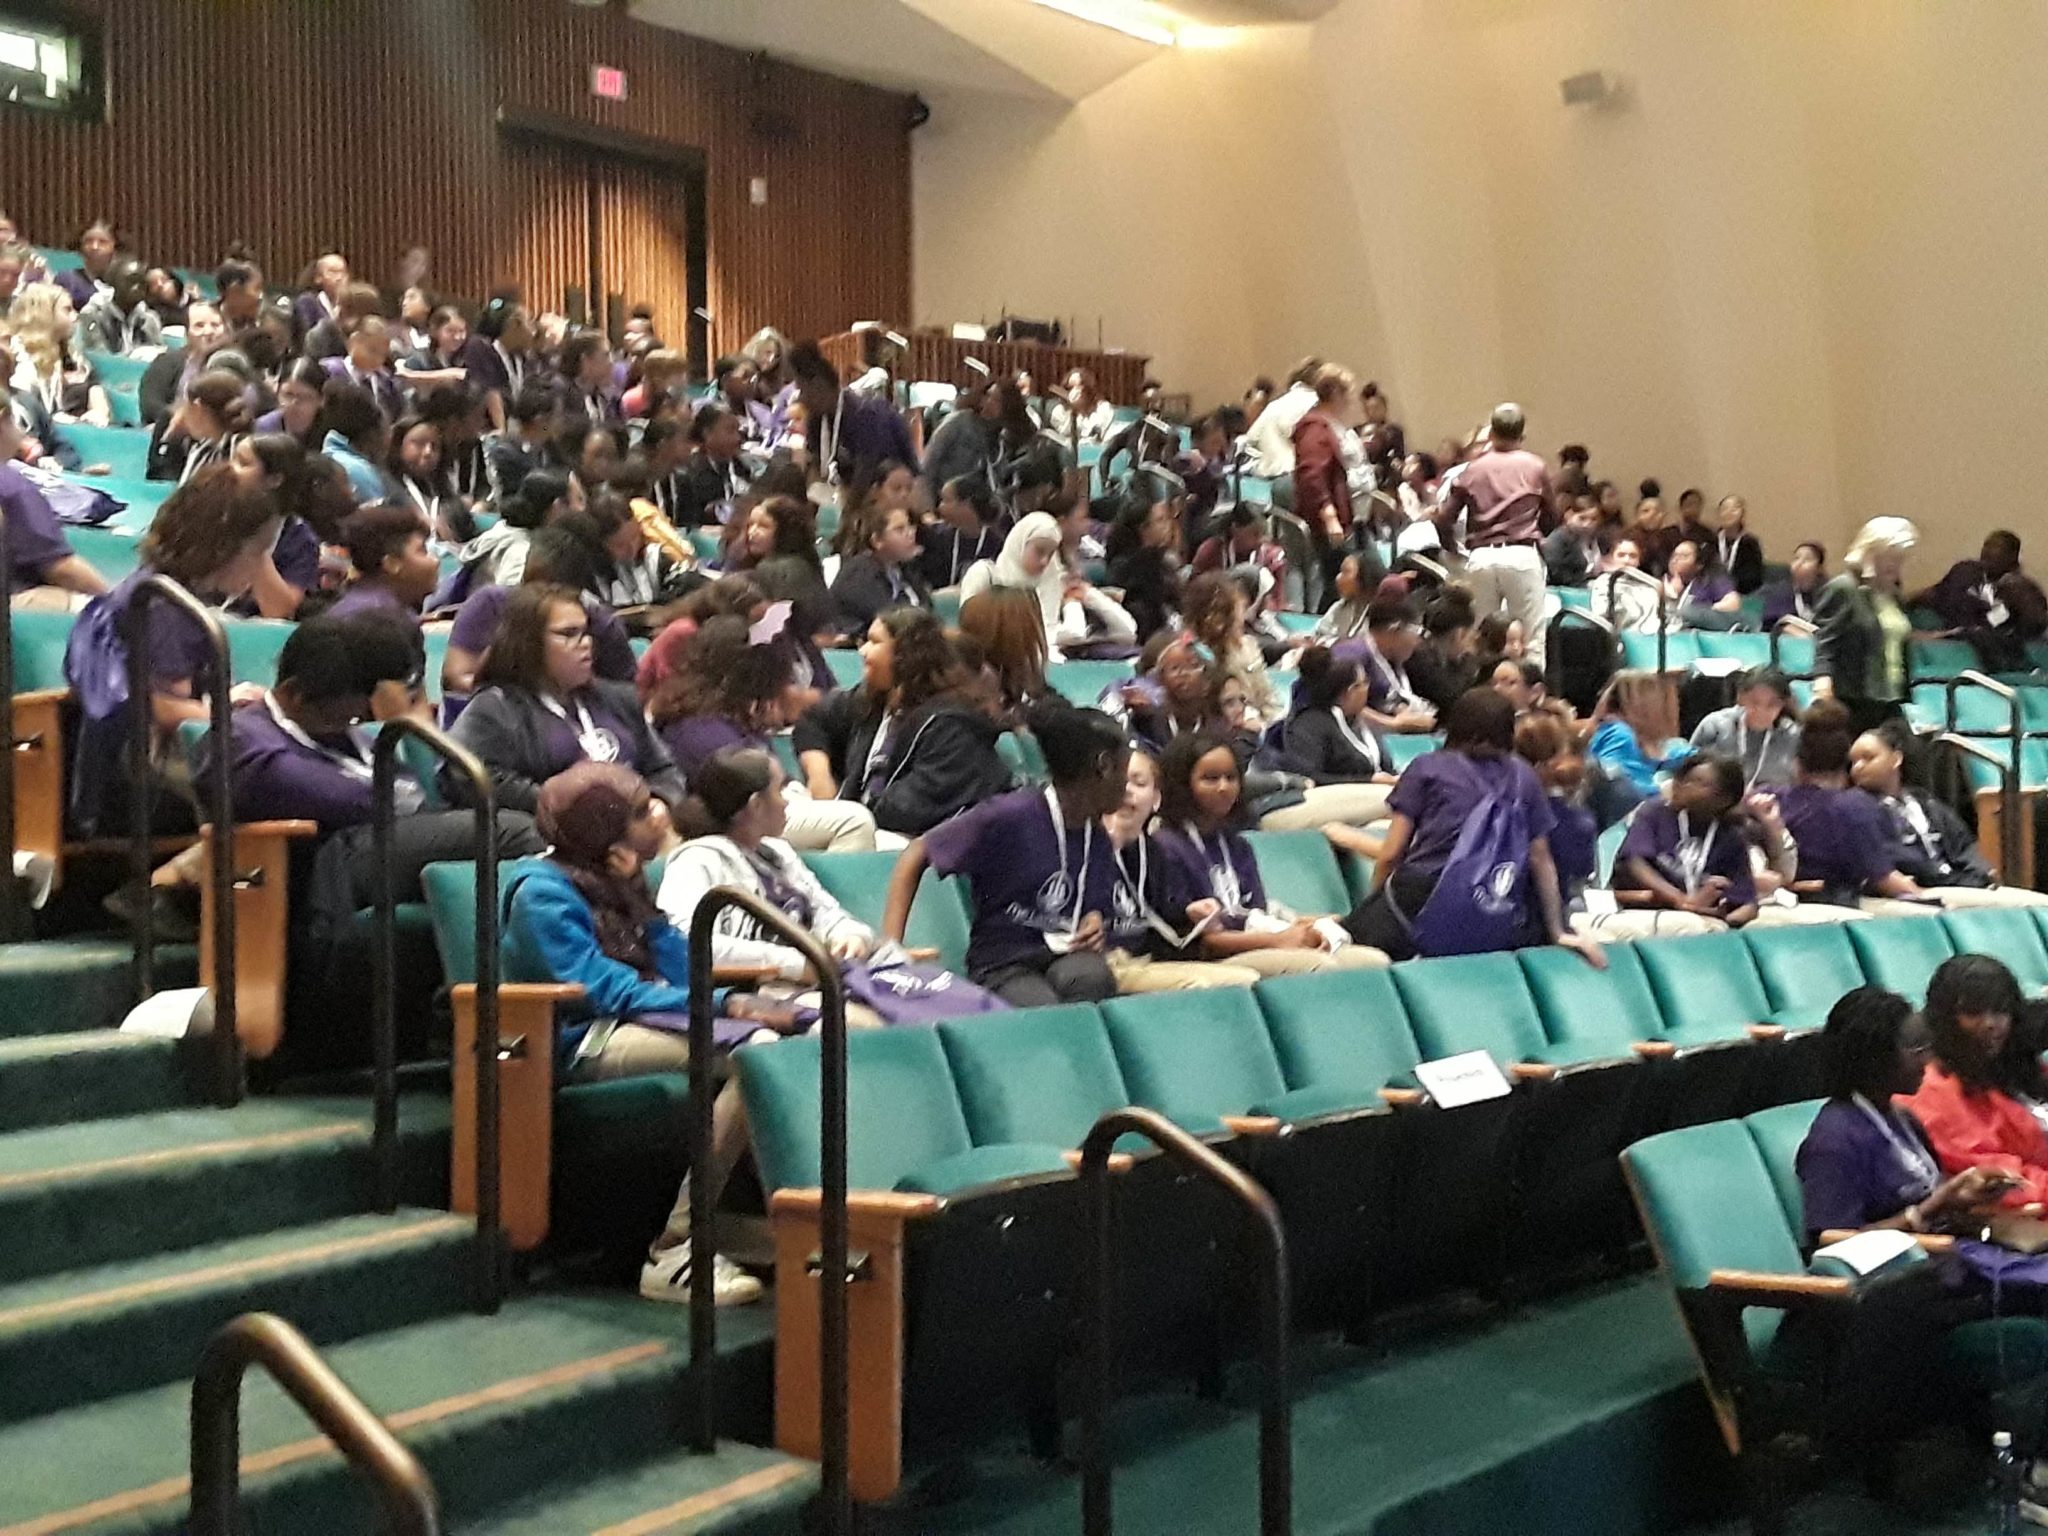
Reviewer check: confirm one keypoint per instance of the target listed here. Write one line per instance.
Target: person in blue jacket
(584, 915)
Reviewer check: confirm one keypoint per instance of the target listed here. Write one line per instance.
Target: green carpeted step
(95, 1074)
(737, 1490)
(553, 1391)
(98, 1193)
(60, 986)
(95, 1333)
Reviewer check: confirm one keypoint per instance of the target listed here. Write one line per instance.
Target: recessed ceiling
(1005, 47)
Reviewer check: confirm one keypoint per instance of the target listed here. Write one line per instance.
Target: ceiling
(1005, 47)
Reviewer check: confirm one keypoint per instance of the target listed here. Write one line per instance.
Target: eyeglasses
(569, 636)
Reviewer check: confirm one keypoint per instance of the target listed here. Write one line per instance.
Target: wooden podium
(935, 356)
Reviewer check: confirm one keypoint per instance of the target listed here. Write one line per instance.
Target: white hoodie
(704, 862)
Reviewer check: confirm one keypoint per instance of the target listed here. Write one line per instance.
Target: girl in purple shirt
(1688, 853)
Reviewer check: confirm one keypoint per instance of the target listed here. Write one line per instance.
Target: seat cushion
(1034, 1075)
(1709, 1203)
(859, 882)
(1471, 1003)
(1194, 1056)
(966, 1171)
(1345, 1030)
(1707, 987)
(1314, 1102)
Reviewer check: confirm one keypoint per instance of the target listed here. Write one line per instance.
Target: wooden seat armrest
(1765, 1031)
(1403, 1098)
(1119, 1162)
(522, 991)
(1252, 1125)
(1655, 1050)
(744, 975)
(1532, 1072)
(923, 952)
(291, 829)
(41, 697)
(1779, 1290)
(1930, 1242)
(867, 1204)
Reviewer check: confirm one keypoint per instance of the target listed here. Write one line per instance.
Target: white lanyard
(1727, 550)
(515, 371)
(429, 504)
(1223, 882)
(1693, 852)
(1915, 817)
(1059, 837)
(1366, 746)
(357, 764)
(1908, 1148)
(598, 744)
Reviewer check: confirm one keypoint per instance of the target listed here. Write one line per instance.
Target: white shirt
(1271, 438)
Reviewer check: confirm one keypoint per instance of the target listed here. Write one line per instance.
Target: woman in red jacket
(1978, 1099)
(1322, 483)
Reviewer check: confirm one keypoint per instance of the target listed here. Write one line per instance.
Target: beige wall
(1802, 261)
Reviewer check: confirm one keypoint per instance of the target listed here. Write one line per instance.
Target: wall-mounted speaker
(1594, 88)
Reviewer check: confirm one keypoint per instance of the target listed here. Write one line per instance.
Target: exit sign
(607, 82)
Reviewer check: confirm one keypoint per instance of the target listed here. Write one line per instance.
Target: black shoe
(173, 911)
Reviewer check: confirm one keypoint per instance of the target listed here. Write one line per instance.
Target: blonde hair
(1333, 381)
(34, 318)
(1643, 699)
(1875, 537)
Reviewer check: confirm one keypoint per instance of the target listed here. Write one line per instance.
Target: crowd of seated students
(368, 464)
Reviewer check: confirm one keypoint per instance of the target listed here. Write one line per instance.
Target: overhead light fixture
(1117, 17)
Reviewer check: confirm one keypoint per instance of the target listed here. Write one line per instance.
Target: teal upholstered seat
(1345, 1031)
(1805, 970)
(1194, 1056)
(1587, 1011)
(1707, 987)
(1472, 1003)
(1299, 870)
(2009, 934)
(1900, 954)
(860, 883)
(1778, 1133)
(1042, 1075)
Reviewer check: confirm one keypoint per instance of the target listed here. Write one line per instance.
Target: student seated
(1980, 1101)
(1345, 618)
(1214, 609)
(1630, 605)
(583, 915)
(526, 442)
(1635, 722)
(967, 529)
(1571, 551)
(392, 570)
(1546, 744)
(1844, 839)
(1684, 864)
(1475, 773)
(1074, 611)
(1143, 552)
(38, 553)
(540, 706)
(1929, 843)
(1760, 730)
(1330, 740)
(936, 751)
(1201, 807)
(1699, 596)
(1151, 944)
(1794, 597)
(555, 557)
(883, 573)
(1041, 873)
(418, 467)
(201, 430)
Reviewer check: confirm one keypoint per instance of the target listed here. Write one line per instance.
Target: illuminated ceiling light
(1116, 18)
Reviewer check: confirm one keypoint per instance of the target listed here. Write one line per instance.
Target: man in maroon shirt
(1501, 494)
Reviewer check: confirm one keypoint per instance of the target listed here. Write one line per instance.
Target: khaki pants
(1806, 914)
(1645, 923)
(1963, 897)
(1359, 805)
(1510, 577)
(1303, 962)
(1136, 974)
(829, 826)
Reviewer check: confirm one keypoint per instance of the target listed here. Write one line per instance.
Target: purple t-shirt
(35, 539)
(1852, 1174)
(279, 778)
(1025, 878)
(1219, 867)
(1440, 791)
(371, 597)
(476, 623)
(1844, 840)
(693, 739)
(1654, 834)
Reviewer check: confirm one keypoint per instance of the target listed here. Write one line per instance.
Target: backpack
(1482, 895)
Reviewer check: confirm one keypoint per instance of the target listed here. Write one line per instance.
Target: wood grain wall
(296, 125)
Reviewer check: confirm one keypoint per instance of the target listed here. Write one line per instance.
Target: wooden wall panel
(370, 124)
(645, 234)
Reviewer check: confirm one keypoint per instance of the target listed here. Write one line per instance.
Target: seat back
(1591, 1012)
(1022, 755)
(451, 905)
(1299, 870)
(1938, 660)
(1901, 953)
(1403, 750)
(2005, 933)
(1747, 647)
(1804, 968)
(40, 639)
(1708, 1203)
(1795, 655)
(1039, 1075)
(1339, 1029)
(859, 882)
(1706, 986)
(1472, 1003)
(844, 665)
(254, 646)
(902, 1113)
(124, 450)
(1778, 1133)
(1083, 682)
(1194, 1056)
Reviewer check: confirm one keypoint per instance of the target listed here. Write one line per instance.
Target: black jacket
(1953, 860)
(510, 730)
(704, 486)
(941, 759)
(862, 589)
(1848, 641)
(1316, 749)
(841, 725)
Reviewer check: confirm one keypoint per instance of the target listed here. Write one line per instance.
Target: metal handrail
(835, 1497)
(1663, 607)
(2009, 829)
(14, 922)
(225, 1045)
(489, 1261)
(1975, 679)
(1553, 662)
(403, 1488)
(1276, 1448)
(1778, 631)
(1433, 568)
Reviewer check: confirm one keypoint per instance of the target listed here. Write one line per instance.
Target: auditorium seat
(2010, 934)
(124, 449)
(1778, 1133)
(1901, 954)
(860, 883)
(121, 377)
(1083, 682)
(1403, 749)
(1299, 870)
(1196, 1057)
(1752, 650)
(1805, 969)
(844, 665)
(1681, 650)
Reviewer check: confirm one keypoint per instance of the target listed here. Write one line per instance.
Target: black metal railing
(404, 1491)
(150, 593)
(489, 1260)
(2016, 730)
(2010, 828)
(14, 920)
(1798, 629)
(1276, 1447)
(836, 1503)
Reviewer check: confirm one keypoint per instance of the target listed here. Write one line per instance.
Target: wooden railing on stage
(937, 356)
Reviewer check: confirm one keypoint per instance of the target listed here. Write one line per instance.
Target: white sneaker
(666, 1277)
